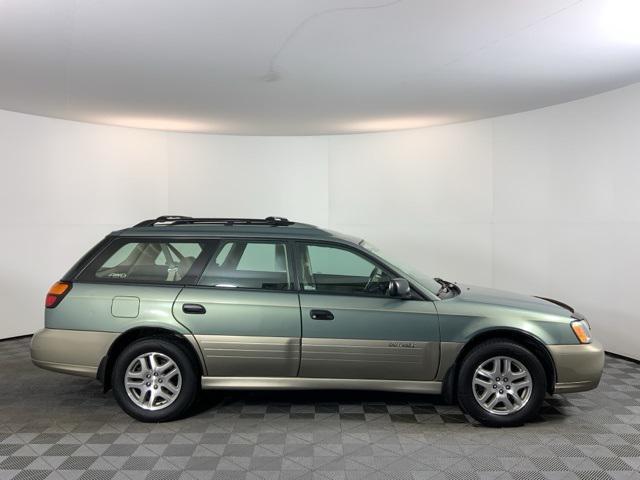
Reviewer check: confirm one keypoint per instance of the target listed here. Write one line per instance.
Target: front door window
(332, 269)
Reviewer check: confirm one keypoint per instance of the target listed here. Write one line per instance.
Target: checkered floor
(60, 427)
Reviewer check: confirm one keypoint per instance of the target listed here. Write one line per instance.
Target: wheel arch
(137, 333)
(521, 337)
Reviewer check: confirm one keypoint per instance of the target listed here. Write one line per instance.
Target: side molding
(302, 383)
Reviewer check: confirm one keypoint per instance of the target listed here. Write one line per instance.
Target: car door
(245, 312)
(352, 328)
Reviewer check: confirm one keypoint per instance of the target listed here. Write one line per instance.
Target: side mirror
(399, 287)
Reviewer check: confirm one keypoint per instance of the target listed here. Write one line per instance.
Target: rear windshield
(146, 261)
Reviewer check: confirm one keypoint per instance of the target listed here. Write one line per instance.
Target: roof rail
(181, 220)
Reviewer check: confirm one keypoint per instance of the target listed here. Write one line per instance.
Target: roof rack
(181, 220)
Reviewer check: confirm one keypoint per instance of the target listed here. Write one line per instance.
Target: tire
(173, 394)
(510, 403)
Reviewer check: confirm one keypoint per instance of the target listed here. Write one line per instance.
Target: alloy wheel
(502, 385)
(153, 381)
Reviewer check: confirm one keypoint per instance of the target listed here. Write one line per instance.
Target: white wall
(65, 185)
(423, 195)
(567, 209)
(544, 202)
(248, 176)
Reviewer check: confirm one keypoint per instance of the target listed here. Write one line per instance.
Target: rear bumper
(578, 367)
(74, 352)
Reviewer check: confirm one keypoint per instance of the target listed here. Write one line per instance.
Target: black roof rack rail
(181, 220)
(162, 219)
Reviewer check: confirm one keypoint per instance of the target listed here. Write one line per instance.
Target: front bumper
(70, 351)
(578, 367)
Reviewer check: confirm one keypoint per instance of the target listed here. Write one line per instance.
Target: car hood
(492, 296)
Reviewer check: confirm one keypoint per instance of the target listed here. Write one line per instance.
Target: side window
(145, 261)
(222, 253)
(120, 255)
(337, 270)
(247, 264)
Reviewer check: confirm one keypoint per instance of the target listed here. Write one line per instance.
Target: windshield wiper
(446, 286)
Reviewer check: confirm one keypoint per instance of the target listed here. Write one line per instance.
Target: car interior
(150, 262)
(242, 264)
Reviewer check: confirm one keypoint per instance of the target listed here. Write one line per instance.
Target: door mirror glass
(399, 287)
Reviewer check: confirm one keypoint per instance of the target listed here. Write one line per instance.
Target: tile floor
(54, 426)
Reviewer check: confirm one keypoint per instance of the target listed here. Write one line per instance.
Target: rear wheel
(501, 383)
(154, 380)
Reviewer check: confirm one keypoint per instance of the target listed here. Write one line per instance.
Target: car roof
(257, 228)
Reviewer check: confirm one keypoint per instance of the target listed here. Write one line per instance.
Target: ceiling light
(157, 123)
(394, 123)
(620, 21)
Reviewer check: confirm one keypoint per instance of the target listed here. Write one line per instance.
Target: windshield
(426, 281)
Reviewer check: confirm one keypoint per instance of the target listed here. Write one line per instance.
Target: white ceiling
(309, 66)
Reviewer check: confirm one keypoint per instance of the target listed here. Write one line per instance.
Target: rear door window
(249, 264)
(149, 261)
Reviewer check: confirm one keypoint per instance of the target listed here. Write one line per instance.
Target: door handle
(193, 308)
(321, 315)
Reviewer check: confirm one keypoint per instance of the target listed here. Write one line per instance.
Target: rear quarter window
(147, 261)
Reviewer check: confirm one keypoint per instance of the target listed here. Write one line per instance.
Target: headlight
(582, 331)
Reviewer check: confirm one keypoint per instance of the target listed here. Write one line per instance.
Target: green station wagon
(170, 306)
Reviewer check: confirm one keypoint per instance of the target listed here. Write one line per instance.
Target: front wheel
(501, 384)
(154, 380)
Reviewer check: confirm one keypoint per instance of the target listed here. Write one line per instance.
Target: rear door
(245, 312)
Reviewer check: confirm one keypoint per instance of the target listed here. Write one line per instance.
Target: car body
(270, 304)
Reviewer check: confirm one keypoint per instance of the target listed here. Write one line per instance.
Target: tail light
(56, 293)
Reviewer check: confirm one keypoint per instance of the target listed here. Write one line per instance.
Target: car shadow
(216, 398)
(401, 407)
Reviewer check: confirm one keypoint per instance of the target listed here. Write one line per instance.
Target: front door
(352, 328)
(245, 313)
